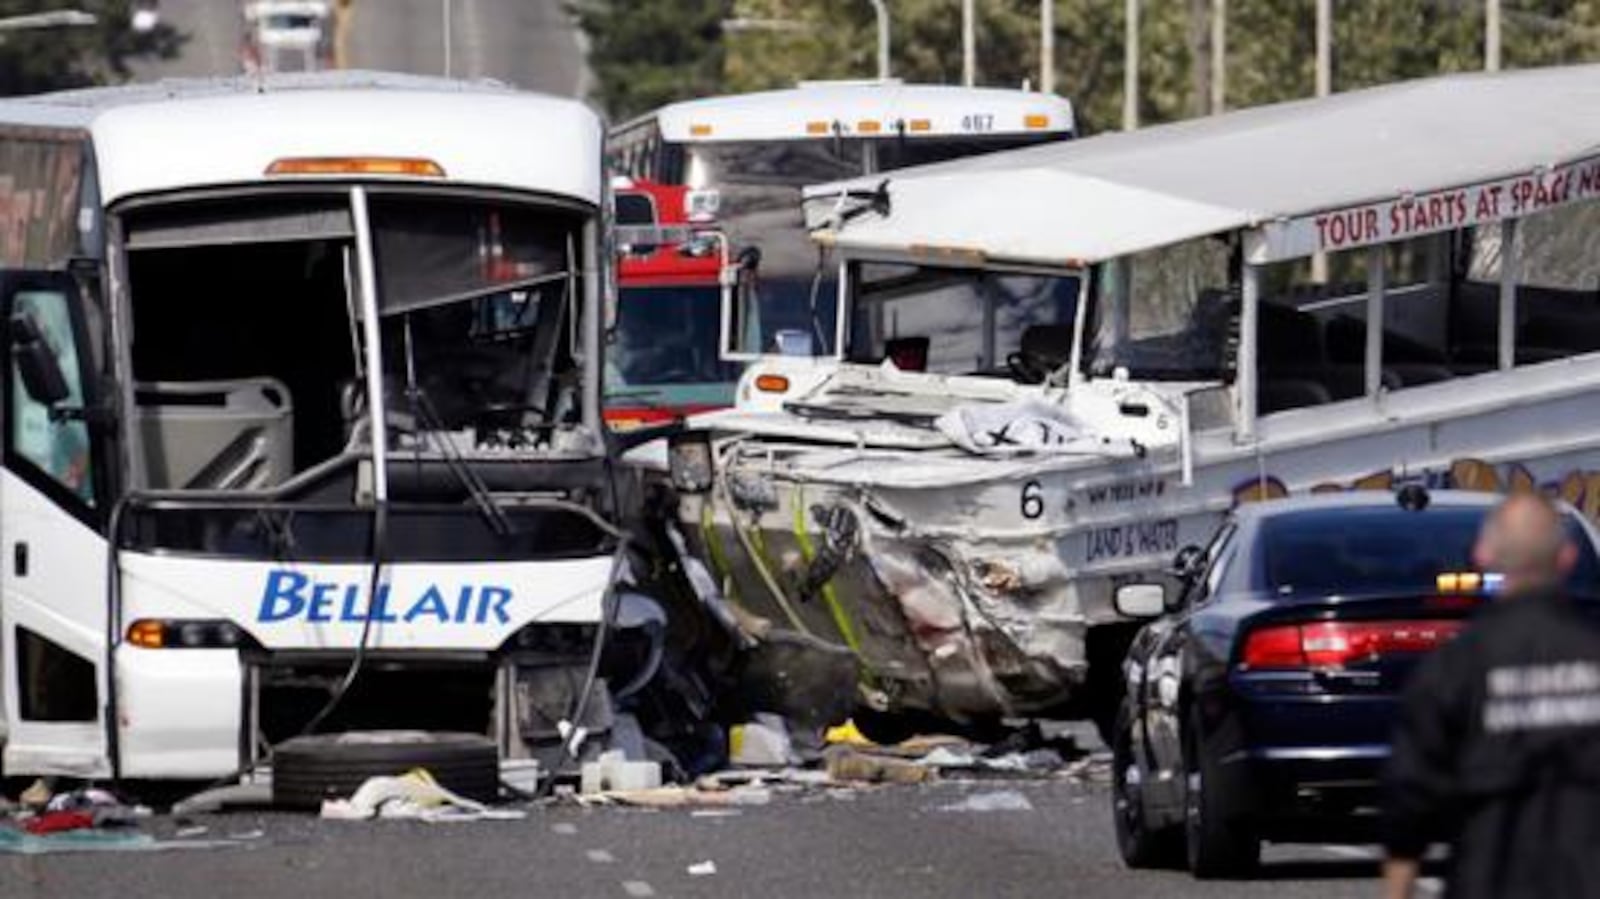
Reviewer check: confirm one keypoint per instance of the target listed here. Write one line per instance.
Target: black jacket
(1497, 752)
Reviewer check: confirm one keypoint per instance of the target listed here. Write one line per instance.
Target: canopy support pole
(1377, 283)
(1246, 381)
(1510, 257)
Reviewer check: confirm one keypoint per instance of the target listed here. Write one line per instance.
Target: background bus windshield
(760, 184)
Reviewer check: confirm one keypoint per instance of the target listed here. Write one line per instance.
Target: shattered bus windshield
(477, 298)
(1163, 315)
(963, 321)
(249, 356)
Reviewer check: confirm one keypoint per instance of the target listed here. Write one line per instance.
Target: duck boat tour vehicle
(1056, 366)
(303, 426)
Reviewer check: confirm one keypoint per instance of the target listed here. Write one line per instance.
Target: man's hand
(1399, 877)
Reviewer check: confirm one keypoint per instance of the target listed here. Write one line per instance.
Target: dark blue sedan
(1259, 702)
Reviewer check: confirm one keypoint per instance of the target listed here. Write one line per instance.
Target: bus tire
(308, 770)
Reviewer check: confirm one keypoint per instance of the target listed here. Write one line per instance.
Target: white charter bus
(974, 522)
(745, 159)
(217, 293)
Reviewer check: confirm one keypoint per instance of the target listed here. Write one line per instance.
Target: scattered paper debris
(412, 796)
(703, 869)
(846, 764)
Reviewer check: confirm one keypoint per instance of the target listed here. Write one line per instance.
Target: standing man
(1498, 746)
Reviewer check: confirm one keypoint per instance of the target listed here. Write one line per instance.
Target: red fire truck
(663, 360)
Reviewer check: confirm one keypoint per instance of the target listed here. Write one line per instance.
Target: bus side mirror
(41, 372)
(1140, 601)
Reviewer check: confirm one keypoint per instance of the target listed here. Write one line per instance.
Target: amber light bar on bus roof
(357, 165)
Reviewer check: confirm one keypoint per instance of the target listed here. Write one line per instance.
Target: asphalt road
(888, 842)
(529, 43)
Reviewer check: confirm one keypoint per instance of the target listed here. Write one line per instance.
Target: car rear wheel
(307, 770)
(1140, 845)
(1219, 841)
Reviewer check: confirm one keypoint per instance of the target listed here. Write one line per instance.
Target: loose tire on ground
(308, 770)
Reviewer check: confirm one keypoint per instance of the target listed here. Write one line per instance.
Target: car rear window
(1384, 550)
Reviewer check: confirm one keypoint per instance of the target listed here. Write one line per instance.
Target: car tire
(1141, 845)
(1219, 842)
(308, 770)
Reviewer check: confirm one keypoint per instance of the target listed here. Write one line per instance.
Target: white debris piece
(997, 801)
(414, 796)
(612, 772)
(703, 869)
(762, 742)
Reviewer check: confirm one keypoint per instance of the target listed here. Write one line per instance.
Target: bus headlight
(163, 633)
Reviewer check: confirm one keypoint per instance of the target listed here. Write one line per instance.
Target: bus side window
(56, 445)
(1558, 283)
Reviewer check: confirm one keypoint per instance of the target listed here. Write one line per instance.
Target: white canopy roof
(1392, 162)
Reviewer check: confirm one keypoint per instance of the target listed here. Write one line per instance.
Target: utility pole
(448, 49)
(1324, 47)
(1491, 35)
(882, 11)
(1047, 46)
(1130, 67)
(1219, 56)
(969, 44)
(1319, 262)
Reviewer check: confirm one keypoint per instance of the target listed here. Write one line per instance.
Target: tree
(1271, 48)
(51, 59)
(646, 53)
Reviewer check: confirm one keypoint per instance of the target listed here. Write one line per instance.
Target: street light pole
(1219, 56)
(1319, 261)
(1047, 46)
(1491, 35)
(969, 44)
(61, 18)
(445, 7)
(1324, 47)
(882, 10)
(1130, 67)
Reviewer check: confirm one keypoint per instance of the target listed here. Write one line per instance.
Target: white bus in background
(209, 314)
(287, 35)
(747, 157)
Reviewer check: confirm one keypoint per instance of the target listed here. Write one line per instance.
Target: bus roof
(1354, 169)
(181, 134)
(864, 109)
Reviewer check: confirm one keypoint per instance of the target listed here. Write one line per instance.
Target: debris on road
(703, 869)
(412, 796)
(612, 772)
(848, 764)
(256, 794)
(995, 801)
(762, 742)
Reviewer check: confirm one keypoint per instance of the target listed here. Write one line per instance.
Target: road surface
(530, 43)
(889, 842)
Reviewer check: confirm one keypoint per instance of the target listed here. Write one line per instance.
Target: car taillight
(1335, 644)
